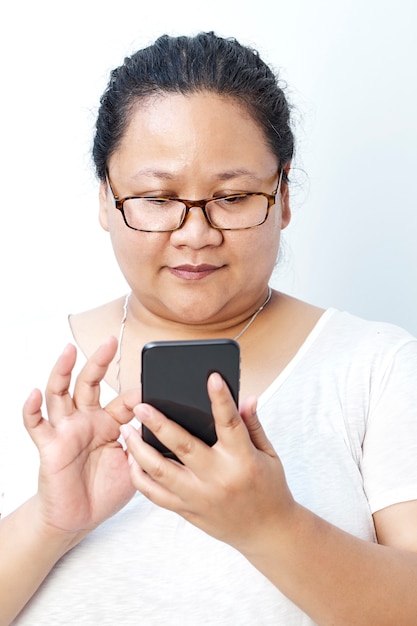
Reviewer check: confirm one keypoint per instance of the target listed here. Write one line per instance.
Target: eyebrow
(221, 176)
(237, 173)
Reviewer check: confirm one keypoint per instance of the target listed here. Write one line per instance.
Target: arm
(83, 476)
(28, 551)
(337, 578)
(332, 576)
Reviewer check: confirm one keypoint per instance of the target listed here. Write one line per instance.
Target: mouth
(193, 272)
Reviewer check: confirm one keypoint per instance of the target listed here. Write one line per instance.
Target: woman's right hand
(84, 476)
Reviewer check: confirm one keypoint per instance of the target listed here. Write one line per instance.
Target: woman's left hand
(234, 490)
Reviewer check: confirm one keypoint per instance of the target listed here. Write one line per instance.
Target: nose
(196, 231)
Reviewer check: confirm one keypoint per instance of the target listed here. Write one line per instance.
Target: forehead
(202, 127)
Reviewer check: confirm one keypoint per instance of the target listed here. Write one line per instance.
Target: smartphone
(174, 381)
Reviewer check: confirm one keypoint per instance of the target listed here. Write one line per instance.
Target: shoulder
(362, 356)
(366, 336)
(344, 344)
(92, 327)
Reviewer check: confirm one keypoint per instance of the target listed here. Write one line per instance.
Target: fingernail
(125, 431)
(142, 412)
(216, 381)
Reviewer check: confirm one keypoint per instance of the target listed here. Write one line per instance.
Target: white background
(351, 71)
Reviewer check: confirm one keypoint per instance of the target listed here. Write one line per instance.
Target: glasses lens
(153, 214)
(239, 211)
(235, 212)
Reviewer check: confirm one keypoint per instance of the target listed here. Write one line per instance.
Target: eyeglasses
(152, 214)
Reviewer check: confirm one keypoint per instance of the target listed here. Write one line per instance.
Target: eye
(232, 201)
(159, 202)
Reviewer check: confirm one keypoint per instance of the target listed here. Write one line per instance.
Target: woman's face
(195, 146)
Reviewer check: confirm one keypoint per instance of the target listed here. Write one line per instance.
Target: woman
(307, 518)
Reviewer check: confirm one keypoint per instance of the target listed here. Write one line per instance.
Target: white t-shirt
(343, 418)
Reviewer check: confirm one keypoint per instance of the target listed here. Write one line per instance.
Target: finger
(57, 397)
(190, 450)
(256, 432)
(230, 427)
(87, 386)
(151, 473)
(121, 407)
(38, 428)
(32, 409)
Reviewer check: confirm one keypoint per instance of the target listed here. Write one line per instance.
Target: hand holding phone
(174, 381)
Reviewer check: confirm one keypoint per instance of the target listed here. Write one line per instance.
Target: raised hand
(84, 476)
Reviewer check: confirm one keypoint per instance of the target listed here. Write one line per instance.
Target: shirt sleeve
(389, 459)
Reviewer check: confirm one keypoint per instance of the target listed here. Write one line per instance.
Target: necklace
(255, 315)
(123, 324)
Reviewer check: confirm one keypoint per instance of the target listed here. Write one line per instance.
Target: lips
(193, 272)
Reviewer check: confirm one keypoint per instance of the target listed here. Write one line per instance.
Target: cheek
(134, 249)
(270, 252)
(257, 248)
(272, 234)
(269, 235)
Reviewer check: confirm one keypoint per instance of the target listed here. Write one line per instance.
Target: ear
(285, 201)
(103, 198)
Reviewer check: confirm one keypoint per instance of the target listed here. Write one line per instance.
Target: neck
(146, 323)
(190, 331)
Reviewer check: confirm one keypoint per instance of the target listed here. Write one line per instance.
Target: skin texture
(194, 147)
(196, 283)
(83, 480)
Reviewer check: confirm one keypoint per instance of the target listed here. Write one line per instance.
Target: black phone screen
(174, 380)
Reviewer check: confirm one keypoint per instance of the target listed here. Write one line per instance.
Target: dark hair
(186, 65)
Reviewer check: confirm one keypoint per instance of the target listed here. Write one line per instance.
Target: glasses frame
(201, 204)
